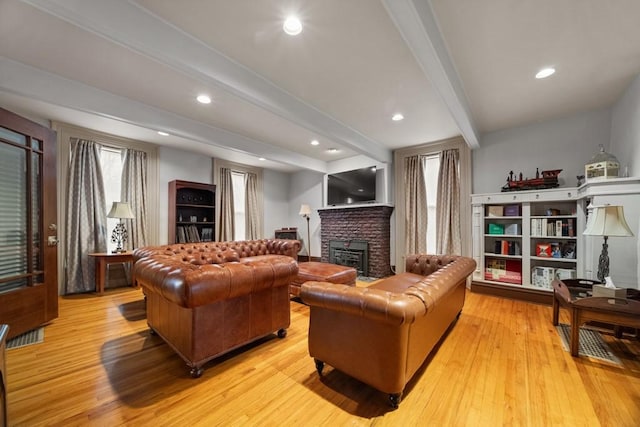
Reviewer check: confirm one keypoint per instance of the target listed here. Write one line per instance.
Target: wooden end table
(102, 260)
(584, 308)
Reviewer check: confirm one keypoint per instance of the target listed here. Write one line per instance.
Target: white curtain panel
(448, 236)
(226, 229)
(134, 190)
(252, 211)
(415, 206)
(86, 220)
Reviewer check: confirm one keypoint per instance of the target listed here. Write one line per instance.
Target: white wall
(625, 129)
(183, 165)
(625, 145)
(306, 187)
(277, 208)
(568, 144)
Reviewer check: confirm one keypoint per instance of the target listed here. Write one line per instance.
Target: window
(111, 164)
(238, 180)
(431, 150)
(248, 205)
(431, 164)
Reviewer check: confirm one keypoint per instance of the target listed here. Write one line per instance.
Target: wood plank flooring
(501, 364)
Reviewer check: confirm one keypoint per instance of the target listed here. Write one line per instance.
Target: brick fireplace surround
(366, 222)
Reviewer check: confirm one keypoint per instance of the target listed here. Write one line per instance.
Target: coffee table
(574, 295)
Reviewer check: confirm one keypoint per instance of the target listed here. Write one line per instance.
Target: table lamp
(120, 210)
(606, 221)
(305, 212)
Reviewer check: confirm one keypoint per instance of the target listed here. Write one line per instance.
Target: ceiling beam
(30, 82)
(129, 25)
(417, 24)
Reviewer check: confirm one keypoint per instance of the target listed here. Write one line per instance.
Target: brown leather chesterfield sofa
(382, 334)
(205, 299)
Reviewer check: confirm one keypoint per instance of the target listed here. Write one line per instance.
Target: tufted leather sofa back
(221, 252)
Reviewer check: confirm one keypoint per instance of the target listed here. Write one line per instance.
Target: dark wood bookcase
(192, 210)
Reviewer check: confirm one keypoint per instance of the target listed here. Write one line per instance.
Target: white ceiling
(452, 67)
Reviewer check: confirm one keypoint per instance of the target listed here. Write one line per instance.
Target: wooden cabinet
(523, 240)
(192, 210)
(287, 233)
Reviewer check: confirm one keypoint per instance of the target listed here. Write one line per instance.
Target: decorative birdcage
(602, 166)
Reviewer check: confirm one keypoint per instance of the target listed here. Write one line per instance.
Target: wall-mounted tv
(352, 187)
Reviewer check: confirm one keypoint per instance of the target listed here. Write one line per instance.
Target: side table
(613, 311)
(103, 259)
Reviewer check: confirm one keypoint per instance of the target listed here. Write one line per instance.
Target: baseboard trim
(522, 294)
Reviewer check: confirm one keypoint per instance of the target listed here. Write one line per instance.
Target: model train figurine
(544, 179)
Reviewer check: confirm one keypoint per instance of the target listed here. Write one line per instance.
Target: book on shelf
(187, 234)
(206, 235)
(507, 247)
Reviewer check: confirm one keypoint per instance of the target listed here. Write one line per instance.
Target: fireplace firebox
(350, 253)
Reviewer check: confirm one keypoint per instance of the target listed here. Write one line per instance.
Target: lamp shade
(120, 210)
(607, 221)
(305, 210)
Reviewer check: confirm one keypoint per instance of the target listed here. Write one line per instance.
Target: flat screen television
(354, 186)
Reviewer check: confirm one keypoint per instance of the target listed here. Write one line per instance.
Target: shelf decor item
(120, 210)
(544, 179)
(606, 221)
(602, 166)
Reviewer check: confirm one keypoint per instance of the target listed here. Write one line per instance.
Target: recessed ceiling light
(292, 26)
(262, 159)
(397, 117)
(545, 72)
(315, 142)
(204, 99)
(162, 133)
(332, 150)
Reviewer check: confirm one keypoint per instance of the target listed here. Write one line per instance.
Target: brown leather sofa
(382, 334)
(206, 299)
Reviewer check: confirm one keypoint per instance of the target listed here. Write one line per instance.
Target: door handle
(52, 241)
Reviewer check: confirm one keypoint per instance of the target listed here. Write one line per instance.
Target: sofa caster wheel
(394, 400)
(319, 366)
(195, 372)
(282, 333)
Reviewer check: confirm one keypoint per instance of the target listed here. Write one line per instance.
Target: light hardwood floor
(501, 364)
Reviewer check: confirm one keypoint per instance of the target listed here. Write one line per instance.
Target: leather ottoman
(322, 272)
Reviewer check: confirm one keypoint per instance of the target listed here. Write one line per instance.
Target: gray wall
(625, 145)
(625, 129)
(306, 187)
(191, 166)
(567, 144)
(177, 164)
(276, 201)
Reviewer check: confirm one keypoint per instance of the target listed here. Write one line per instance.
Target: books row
(503, 270)
(556, 250)
(548, 227)
(190, 234)
(507, 247)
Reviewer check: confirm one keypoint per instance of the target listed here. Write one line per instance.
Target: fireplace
(368, 224)
(352, 253)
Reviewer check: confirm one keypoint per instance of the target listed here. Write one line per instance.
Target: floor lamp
(305, 212)
(606, 221)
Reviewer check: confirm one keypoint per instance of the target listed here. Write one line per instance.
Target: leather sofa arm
(375, 304)
(284, 247)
